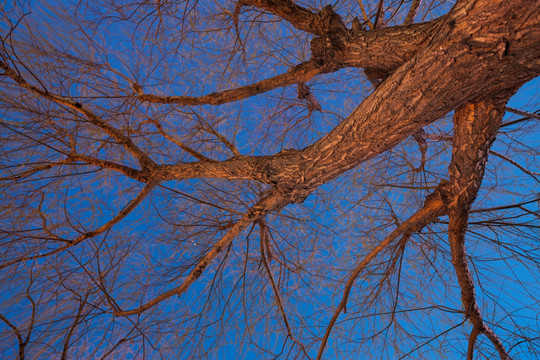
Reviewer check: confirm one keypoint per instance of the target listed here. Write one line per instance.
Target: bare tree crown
(269, 179)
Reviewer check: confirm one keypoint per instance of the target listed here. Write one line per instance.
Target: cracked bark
(475, 127)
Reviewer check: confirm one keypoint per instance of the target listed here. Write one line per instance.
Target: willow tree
(269, 179)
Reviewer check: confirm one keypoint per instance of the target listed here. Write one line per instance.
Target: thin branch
(367, 20)
(376, 24)
(180, 143)
(34, 170)
(271, 202)
(122, 139)
(472, 340)
(263, 244)
(516, 164)
(106, 164)
(17, 334)
(433, 207)
(121, 215)
(300, 73)
(523, 113)
(73, 326)
(409, 19)
(209, 129)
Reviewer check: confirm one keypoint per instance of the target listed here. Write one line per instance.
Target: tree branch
(271, 202)
(264, 244)
(116, 134)
(121, 215)
(433, 208)
(516, 164)
(409, 19)
(298, 16)
(300, 73)
(475, 127)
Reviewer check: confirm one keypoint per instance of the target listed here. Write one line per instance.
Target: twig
(121, 215)
(264, 245)
(271, 202)
(433, 207)
(409, 19)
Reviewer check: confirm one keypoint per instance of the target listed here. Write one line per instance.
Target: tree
(269, 179)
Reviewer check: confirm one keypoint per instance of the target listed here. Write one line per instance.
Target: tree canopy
(270, 179)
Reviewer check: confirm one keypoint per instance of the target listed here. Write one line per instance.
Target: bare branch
(180, 143)
(523, 113)
(17, 333)
(516, 164)
(271, 202)
(122, 139)
(208, 128)
(76, 321)
(409, 19)
(34, 170)
(376, 23)
(300, 73)
(433, 208)
(475, 127)
(299, 17)
(108, 225)
(365, 16)
(264, 244)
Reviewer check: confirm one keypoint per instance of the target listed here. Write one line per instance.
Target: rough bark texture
(475, 127)
(480, 50)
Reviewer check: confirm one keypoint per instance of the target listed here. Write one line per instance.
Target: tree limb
(409, 19)
(298, 16)
(475, 127)
(271, 202)
(264, 244)
(116, 134)
(121, 215)
(433, 208)
(300, 73)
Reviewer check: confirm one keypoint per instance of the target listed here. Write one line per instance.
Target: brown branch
(180, 143)
(71, 330)
(528, 114)
(420, 137)
(365, 16)
(433, 208)
(409, 19)
(264, 244)
(298, 16)
(22, 344)
(17, 334)
(126, 170)
(116, 134)
(34, 170)
(475, 127)
(376, 23)
(300, 73)
(472, 340)
(209, 129)
(271, 202)
(106, 164)
(121, 215)
(516, 164)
